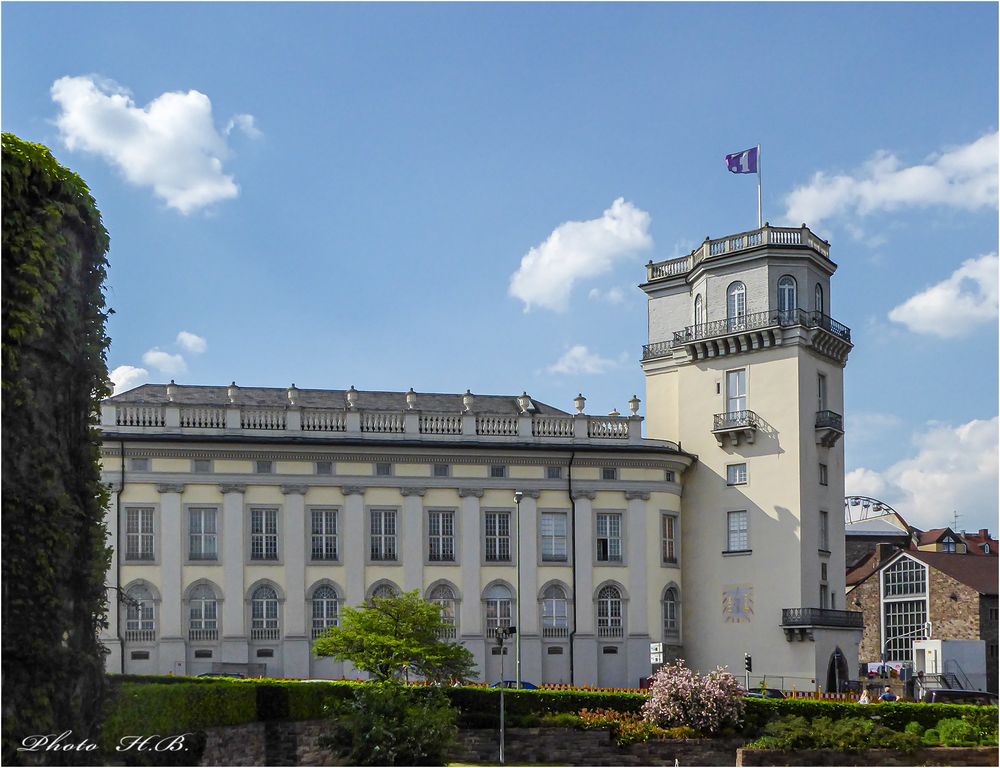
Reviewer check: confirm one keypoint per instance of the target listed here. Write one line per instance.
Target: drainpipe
(572, 538)
(118, 559)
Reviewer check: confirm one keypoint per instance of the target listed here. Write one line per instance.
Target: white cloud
(245, 123)
(579, 359)
(963, 177)
(164, 362)
(191, 342)
(171, 145)
(956, 305)
(613, 295)
(126, 377)
(954, 469)
(577, 250)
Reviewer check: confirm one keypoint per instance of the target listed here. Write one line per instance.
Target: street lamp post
(503, 633)
(518, 495)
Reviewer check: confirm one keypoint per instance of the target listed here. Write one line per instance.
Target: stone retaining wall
(931, 756)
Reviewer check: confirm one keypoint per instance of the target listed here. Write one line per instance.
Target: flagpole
(760, 215)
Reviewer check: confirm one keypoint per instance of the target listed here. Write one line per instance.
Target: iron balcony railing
(829, 420)
(736, 420)
(821, 617)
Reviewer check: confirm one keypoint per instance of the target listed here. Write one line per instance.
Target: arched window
(325, 610)
(140, 616)
(820, 307)
(264, 614)
(787, 300)
(384, 591)
(203, 614)
(671, 615)
(555, 613)
(444, 596)
(498, 604)
(609, 613)
(699, 312)
(736, 305)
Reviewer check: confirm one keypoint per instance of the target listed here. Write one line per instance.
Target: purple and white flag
(743, 162)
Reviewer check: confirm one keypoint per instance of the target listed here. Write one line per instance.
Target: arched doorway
(837, 673)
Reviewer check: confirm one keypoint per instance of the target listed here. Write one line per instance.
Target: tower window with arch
(671, 615)
(325, 610)
(444, 596)
(555, 612)
(264, 614)
(610, 618)
(736, 305)
(498, 608)
(818, 300)
(140, 615)
(203, 614)
(699, 311)
(787, 298)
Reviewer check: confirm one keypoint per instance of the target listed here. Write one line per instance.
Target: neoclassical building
(243, 520)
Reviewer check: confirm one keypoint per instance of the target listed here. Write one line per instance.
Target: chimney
(884, 551)
(984, 533)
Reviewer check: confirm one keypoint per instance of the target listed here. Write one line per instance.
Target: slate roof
(935, 535)
(367, 400)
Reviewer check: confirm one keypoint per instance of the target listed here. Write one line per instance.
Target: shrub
(680, 732)
(626, 727)
(562, 720)
(389, 724)
(957, 733)
(932, 737)
(855, 734)
(680, 696)
(915, 728)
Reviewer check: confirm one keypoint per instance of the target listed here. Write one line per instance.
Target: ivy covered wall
(54, 373)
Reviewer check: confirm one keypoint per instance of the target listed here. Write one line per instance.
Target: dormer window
(948, 545)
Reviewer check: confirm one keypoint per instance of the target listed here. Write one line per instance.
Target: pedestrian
(864, 697)
(888, 695)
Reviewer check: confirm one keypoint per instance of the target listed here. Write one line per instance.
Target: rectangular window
(441, 535)
(139, 533)
(823, 477)
(904, 622)
(736, 390)
(609, 537)
(993, 613)
(554, 540)
(201, 466)
(383, 534)
(203, 534)
(324, 534)
(609, 473)
(441, 470)
(139, 465)
(739, 534)
(497, 536)
(324, 467)
(498, 470)
(824, 530)
(669, 476)
(820, 392)
(736, 474)
(383, 469)
(553, 473)
(668, 539)
(263, 467)
(263, 534)
(824, 596)
(822, 571)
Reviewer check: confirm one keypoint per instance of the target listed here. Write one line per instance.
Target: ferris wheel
(862, 507)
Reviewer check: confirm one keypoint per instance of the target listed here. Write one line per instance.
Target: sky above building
(464, 196)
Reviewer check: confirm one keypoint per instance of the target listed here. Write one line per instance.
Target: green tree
(392, 637)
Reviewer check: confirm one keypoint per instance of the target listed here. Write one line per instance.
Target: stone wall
(954, 607)
(933, 756)
(865, 598)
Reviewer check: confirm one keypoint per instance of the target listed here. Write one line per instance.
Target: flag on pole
(743, 162)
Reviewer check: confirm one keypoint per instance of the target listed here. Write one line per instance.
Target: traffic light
(747, 662)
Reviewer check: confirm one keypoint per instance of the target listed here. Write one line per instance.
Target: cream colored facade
(744, 368)
(246, 459)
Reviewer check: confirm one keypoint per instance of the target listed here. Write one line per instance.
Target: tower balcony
(735, 426)
(798, 623)
(829, 428)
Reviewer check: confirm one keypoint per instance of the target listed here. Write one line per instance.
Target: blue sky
(351, 194)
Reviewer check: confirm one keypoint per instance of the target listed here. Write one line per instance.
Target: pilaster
(527, 548)
(234, 631)
(354, 544)
(636, 537)
(412, 550)
(583, 557)
(471, 618)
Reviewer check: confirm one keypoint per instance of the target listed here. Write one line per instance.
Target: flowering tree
(680, 696)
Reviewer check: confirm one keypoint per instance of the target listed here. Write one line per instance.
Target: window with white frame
(203, 535)
(948, 544)
(824, 530)
(441, 535)
(818, 299)
(904, 577)
(203, 614)
(699, 312)
(820, 392)
(824, 475)
(671, 615)
(736, 474)
(555, 612)
(497, 529)
(382, 534)
(738, 532)
(324, 543)
(668, 539)
(736, 305)
(786, 294)
(736, 390)
(139, 544)
(610, 620)
(140, 615)
(670, 476)
(609, 537)
(264, 614)
(325, 610)
(444, 596)
(498, 608)
(554, 537)
(904, 607)
(263, 533)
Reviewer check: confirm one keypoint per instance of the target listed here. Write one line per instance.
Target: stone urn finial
(352, 397)
(293, 395)
(633, 405)
(232, 391)
(614, 413)
(467, 401)
(411, 399)
(522, 402)
(579, 401)
(171, 390)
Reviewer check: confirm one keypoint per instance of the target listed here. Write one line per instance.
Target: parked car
(764, 693)
(955, 696)
(525, 685)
